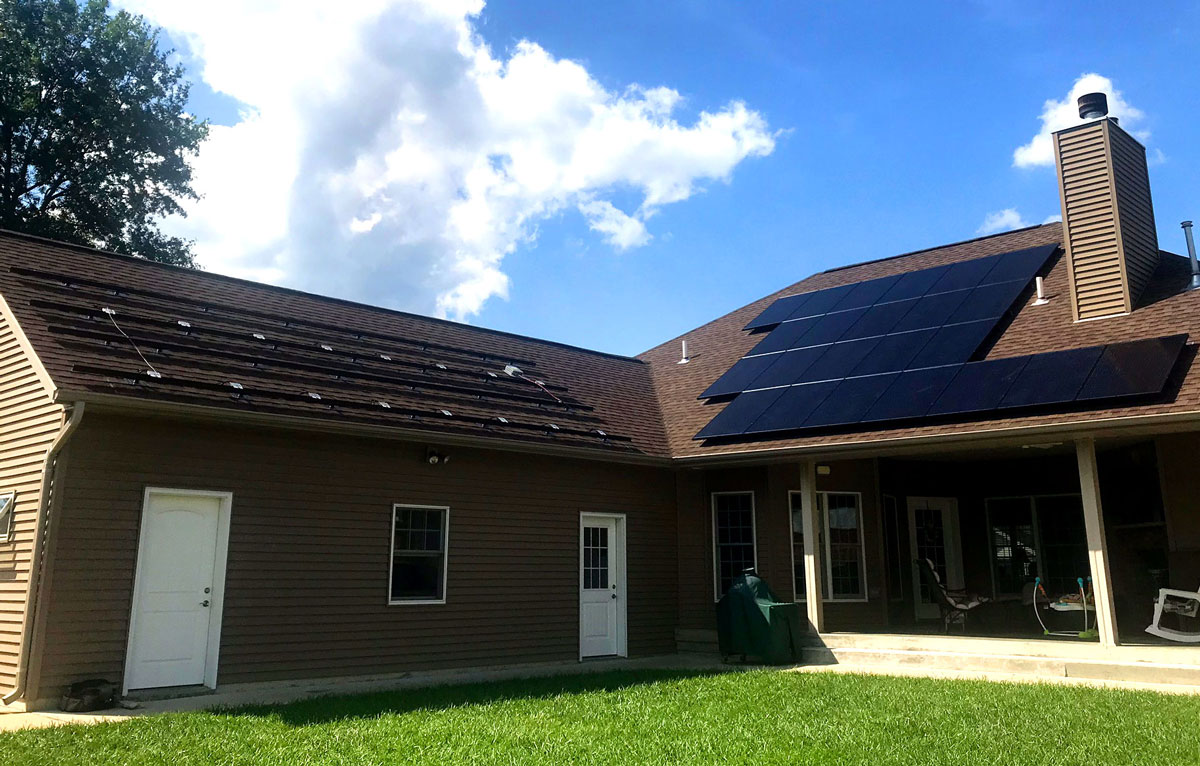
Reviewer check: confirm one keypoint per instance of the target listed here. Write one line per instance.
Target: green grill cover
(752, 622)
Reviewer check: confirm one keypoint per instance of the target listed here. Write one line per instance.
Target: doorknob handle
(204, 602)
(614, 595)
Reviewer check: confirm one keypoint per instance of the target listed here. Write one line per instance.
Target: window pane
(734, 535)
(7, 501)
(595, 558)
(418, 554)
(845, 545)
(1014, 549)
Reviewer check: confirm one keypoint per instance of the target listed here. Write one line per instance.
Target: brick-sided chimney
(1108, 220)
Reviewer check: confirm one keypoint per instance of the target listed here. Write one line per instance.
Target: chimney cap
(1093, 106)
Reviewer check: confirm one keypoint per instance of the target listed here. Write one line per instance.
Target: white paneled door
(933, 535)
(601, 586)
(174, 630)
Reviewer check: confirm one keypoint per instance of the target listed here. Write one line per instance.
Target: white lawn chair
(1180, 602)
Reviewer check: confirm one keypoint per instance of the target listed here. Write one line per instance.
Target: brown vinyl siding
(29, 421)
(771, 485)
(307, 579)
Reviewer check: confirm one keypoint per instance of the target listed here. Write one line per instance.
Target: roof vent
(512, 370)
(683, 354)
(1093, 106)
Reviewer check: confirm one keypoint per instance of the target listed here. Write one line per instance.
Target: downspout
(35, 560)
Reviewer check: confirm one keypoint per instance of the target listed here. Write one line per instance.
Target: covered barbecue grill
(754, 624)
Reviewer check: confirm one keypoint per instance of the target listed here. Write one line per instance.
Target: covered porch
(1008, 531)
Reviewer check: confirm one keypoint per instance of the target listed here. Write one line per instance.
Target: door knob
(205, 602)
(614, 595)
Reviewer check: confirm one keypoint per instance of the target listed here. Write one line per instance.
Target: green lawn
(658, 717)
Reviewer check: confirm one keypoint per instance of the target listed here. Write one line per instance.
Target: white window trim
(445, 509)
(713, 531)
(6, 533)
(862, 544)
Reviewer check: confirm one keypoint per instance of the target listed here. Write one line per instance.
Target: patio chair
(953, 605)
(1182, 603)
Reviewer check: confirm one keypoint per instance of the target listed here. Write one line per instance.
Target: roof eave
(117, 403)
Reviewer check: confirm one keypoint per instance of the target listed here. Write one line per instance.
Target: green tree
(94, 136)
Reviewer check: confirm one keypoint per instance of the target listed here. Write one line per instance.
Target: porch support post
(1093, 519)
(812, 548)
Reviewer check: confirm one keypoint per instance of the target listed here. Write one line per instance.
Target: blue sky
(894, 130)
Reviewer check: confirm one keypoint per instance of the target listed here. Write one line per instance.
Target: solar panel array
(901, 347)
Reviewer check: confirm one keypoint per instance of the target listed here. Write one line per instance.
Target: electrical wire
(113, 318)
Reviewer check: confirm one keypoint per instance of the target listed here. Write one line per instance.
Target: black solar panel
(965, 275)
(794, 406)
(894, 352)
(865, 294)
(914, 284)
(788, 367)
(777, 311)
(821, 302)
(953, 344)
(784, 336)
(739, 414)
(1020, 265)
(740, 376)
(1138, 368)
(978, 386)
(1052, 378)
(849, 401)
(838, 360)
(911, 395)
(879, 319)
(931, 311)
(830, 327)
(988, 301)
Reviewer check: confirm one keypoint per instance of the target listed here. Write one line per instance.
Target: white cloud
(1057, 115)
(387, 154)
(1002, 220)
(1056, 218)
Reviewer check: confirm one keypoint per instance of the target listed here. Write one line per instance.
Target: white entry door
(601, 586)
(933, 535)
(175, 625)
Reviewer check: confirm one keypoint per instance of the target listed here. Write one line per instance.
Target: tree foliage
(94, 136)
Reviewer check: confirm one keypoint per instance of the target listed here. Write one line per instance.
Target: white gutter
(35, 559)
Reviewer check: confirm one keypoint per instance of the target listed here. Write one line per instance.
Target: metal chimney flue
(1093, 106)
(1191, 246)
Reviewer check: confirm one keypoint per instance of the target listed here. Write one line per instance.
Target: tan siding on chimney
(1108, 220)
(1092, 240)
(1135, 212)
(29, 421)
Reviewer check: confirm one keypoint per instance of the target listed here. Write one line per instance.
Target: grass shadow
(333, 708)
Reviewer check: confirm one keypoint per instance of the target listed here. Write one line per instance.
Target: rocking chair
(1178, 602)
(953, 605)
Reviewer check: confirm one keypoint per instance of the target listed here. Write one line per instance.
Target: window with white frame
(8, 502)
(734, 548)
(839, 519)
(418, 567)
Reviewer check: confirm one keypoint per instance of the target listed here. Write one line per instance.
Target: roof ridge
(939, 247)
(93, 251)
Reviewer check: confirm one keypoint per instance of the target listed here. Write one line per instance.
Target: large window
(8, 501)
(419, 535)
(839, 519)
(733, 537)
(1032, 536)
